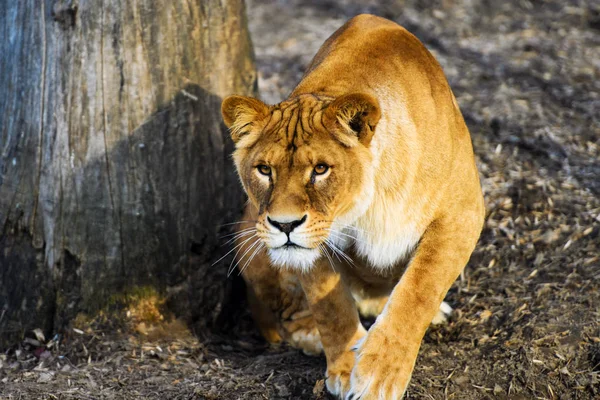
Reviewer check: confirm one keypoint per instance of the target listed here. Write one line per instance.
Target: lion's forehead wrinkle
(294, 138)
(317, 120)
(290, 127)
(275, 120)
(305, 123)
(295, 121)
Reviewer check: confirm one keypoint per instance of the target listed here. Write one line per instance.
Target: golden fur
(364, 196)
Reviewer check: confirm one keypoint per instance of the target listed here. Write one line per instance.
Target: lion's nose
(287, 227)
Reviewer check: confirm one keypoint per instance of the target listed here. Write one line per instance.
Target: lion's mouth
(293, 255)
(291, 245)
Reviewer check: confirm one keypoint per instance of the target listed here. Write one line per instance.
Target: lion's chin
(294, 257)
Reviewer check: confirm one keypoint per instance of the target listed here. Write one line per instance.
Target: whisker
(336, 255)
(237, 222)
(324, 250)
(345, 234)
(344, 256)
(329, 245)
(230, 251)
(338, 251)
(234, 259)
(251, 258)
(352, 228)
(248, 250)
(260, 246)
(237, 232)
(333, 235)
(241, 235)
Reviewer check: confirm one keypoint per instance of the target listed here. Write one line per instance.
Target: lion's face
(305, 166)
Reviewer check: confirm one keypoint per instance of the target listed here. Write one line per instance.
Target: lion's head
(306, 166)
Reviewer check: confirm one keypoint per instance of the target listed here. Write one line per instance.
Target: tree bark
(114, 162)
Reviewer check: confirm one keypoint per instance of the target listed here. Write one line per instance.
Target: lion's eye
(264, 170)
(320, 169)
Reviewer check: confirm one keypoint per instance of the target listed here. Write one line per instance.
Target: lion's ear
(239, 112)
(351, 117)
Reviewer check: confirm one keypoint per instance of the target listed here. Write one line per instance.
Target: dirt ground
(527, 321)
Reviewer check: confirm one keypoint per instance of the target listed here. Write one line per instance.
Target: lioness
(364, 197)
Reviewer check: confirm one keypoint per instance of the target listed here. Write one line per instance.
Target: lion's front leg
(335, 312)
(275, 297)
(386, 358)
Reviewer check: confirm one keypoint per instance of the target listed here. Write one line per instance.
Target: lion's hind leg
(372, 307)
(264, 317)
(443, 314)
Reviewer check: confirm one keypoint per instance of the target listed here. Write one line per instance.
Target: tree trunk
(114, 163)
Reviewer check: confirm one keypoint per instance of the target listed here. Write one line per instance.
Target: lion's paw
(383, 368)
(338, 374)
(374, 380)
(443, 314)
(338, 384)
(301, 332)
